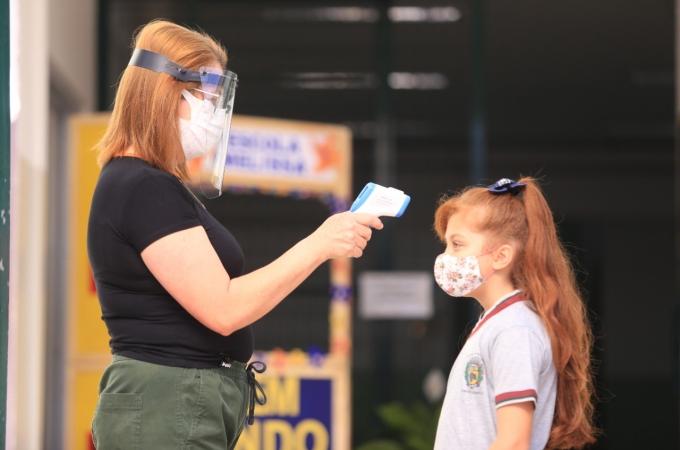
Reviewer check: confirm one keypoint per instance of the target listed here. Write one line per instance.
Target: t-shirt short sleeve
(157, 207)
(517, 356)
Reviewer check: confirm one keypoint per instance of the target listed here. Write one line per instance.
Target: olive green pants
(144, 406)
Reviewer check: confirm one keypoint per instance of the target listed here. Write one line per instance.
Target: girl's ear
(502, 257)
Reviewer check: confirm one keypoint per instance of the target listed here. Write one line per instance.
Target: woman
(169, 277)
(522, 379)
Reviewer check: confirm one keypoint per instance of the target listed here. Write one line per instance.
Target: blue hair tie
(506, 186)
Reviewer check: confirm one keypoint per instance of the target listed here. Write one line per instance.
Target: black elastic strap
(159, 63)
(257, 394)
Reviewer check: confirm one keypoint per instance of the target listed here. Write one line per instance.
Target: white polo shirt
(507, 359)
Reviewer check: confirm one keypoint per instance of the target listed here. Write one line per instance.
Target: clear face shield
(218, 92)
(213, 101)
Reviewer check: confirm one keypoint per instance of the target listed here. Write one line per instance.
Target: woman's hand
(345, 234)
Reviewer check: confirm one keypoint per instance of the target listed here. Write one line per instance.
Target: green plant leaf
(414, 427)
(397, 417)
(381, 444)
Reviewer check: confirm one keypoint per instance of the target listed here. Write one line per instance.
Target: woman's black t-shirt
(135, 204)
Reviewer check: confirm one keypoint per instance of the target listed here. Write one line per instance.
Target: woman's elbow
(225, 328)
(226, 320)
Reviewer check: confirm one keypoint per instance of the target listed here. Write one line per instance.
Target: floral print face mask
(457, 276)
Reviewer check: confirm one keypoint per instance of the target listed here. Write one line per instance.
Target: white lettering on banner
(287, 155)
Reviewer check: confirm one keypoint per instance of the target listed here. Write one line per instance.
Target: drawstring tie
(257, 394)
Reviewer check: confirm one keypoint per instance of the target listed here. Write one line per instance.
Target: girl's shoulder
(522, 314)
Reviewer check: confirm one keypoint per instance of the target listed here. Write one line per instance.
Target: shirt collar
(498, 303)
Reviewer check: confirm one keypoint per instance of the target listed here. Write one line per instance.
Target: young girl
(522, 379)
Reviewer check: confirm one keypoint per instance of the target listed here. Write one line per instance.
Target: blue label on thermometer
(381, 201)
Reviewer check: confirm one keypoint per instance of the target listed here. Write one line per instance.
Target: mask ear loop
(194, 102)
(493, 271)
(199, 107)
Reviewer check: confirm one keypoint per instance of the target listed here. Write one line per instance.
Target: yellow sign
(88, 341)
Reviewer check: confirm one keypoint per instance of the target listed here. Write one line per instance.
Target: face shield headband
(216, 89)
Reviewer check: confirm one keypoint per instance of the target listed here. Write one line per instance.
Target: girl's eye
(455, 244)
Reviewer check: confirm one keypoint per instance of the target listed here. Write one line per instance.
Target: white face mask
(204, 130)
(457, 276)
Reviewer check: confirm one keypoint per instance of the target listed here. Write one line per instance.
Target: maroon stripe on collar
(518, 297)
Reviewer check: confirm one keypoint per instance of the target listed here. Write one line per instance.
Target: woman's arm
(187, 266)
(513, 425)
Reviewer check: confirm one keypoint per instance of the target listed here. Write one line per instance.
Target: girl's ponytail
(545, 273)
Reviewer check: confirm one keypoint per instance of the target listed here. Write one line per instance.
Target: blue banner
(297, 416)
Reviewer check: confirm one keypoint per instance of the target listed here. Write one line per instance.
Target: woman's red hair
(145, 111)
(543, 271)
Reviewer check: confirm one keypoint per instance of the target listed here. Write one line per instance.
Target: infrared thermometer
(381, 201)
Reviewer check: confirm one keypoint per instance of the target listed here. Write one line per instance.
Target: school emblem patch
(474, 372)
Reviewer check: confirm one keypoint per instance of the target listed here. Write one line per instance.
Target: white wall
(56, 46)
(72, 48)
